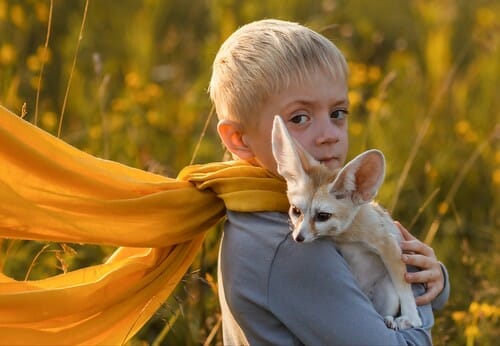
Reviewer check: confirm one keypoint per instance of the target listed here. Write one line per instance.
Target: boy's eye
(339, 114)
(299, 119)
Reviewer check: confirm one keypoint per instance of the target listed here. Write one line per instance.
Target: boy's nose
(327, 133)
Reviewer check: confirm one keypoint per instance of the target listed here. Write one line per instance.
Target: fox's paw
(404, 322)
(390, 322)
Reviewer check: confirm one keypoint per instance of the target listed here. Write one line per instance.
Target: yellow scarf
(51, 191)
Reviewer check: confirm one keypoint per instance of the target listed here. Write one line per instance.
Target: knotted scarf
(52, 191)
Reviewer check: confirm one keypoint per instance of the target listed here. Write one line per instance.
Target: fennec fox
(339, 204)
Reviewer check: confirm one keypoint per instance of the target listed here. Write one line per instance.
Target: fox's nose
(299, 238)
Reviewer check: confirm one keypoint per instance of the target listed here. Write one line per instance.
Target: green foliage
(424, 89)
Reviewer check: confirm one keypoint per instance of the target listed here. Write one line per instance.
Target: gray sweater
(274, 291)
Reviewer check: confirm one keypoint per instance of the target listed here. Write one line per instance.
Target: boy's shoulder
(264, 230)
(266, 237)
(257, 248)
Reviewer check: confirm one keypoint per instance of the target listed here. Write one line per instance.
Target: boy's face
(315, 114)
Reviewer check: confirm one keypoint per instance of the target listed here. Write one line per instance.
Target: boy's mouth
(327, 161)
(331, 163)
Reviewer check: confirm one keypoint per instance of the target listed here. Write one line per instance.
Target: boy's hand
(420, 255)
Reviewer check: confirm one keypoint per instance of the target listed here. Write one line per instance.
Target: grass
(426, 94)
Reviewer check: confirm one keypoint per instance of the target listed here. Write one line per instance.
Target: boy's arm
(312, 291)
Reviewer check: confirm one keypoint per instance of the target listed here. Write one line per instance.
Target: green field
(127, 80)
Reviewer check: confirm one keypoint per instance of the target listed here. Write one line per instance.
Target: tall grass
(132, 87)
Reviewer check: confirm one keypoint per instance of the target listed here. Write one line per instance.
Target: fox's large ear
(292, 160)
(362, 176)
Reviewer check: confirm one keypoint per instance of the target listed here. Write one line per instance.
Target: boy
(272, 290)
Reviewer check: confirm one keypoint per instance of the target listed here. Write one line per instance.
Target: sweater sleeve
(312, 291)
(440, 301)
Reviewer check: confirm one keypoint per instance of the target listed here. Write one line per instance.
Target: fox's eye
(323, 216)
(295, 211)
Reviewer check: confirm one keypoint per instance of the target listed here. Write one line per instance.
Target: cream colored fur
(340, 204)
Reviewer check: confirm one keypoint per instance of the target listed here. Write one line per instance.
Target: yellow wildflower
(120, 105)
(34, 82)
(471, 331)
(357, 75)
(486, 18)
(49, 120)
(374, 73)
(355, 128)
(43, 54)
(7, 54)
(141, 97)
(487, 310)
(133, 80)
(431, 172)
(95, 132)
(458, 316)
(42, 12)
(33, 63)
(496, 177)
(3, 9)
(438, 53)
(117, 122)
(153, 91)
(471, 137)
(17, 16)
(354, 98)
(462, 127)
(474, 308)
(153, 117)
(442, 209)
(373, 105)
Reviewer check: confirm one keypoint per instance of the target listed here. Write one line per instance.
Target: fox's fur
(340, 204)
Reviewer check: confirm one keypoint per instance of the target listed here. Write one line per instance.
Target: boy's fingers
(433, 288)
(417, 247)
(419, 277)
(409, 245)
(419, 254)
(429, 277)
(432, 291)
(404, 232)
(426, 298)
(416, 260)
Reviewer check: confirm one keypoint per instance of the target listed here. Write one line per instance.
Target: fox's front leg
(390, 253)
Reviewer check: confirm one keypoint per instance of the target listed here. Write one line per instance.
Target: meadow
(127, 81)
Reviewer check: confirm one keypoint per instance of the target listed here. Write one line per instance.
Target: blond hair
(261, 59)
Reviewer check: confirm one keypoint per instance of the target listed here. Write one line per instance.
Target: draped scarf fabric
(52, 191)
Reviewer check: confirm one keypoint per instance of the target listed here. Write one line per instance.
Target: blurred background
(127, 80)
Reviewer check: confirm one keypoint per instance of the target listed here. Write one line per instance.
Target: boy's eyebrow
(341, 102)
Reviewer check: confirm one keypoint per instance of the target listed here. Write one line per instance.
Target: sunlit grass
(425, 93)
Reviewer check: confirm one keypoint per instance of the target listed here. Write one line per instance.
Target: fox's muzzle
(299, 238)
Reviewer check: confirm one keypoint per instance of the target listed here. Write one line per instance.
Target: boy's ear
(233, 138)
(362, 176)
